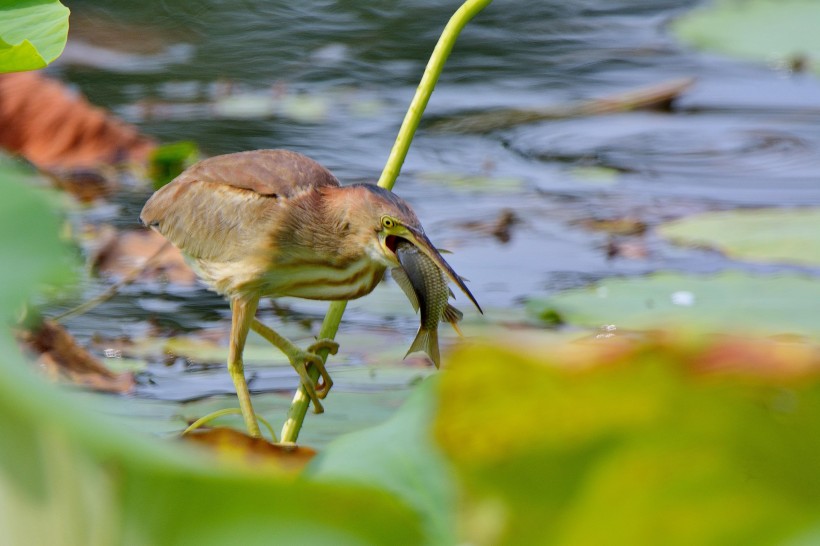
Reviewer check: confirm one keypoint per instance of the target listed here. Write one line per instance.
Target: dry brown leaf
(501, 228)
(232, 446)
(625, 226)
(631, 250)
(57, 129)
(61, 357)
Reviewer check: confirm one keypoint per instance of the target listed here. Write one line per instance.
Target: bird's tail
(427, 341)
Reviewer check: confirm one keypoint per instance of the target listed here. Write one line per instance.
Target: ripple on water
(714, 155)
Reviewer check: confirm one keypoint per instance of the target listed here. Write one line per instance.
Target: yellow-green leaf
(32, 33)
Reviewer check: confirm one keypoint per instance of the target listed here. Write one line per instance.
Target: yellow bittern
(276, 223)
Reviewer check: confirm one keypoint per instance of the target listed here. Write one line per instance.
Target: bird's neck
(349, 217)
(322, 222)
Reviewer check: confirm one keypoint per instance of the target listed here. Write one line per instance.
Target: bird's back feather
(218, 209)
(281, 173)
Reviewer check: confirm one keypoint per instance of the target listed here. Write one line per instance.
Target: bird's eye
(388, 222)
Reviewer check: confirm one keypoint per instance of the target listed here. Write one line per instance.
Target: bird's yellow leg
(299, 359)
(243, 316)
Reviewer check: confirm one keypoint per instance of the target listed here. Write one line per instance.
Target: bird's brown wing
(266, 172)
(222, 208)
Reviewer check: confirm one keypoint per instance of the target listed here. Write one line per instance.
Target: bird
(275, 223)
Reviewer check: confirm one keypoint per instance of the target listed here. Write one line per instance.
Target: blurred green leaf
(399, 456)
(630, 446)
(764, 30)
(169, 160)
(32, 255)
(730, 301)
(762, 235)
(32, 33)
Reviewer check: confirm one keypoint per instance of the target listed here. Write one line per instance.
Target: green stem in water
(227, 411)
(468, 10)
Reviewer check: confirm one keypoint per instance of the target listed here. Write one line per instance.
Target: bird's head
(392, 219)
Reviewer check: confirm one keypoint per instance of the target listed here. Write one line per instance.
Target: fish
(425, 285)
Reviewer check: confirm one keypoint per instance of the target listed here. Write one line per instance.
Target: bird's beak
(420, 240)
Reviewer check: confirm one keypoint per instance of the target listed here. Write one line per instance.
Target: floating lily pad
(32, 33)
(730, 301)
(473, 183)
(765, 30)
(765, 235)
(595, 174)
(362, 397)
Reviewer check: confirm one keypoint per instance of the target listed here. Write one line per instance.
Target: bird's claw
(322, 387)
(331, 346)
(316, 390)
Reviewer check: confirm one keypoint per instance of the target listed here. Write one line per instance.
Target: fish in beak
(421, 242)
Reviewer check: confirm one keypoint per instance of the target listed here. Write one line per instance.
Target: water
(333, 80)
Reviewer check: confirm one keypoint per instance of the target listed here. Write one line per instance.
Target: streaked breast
(320, 281)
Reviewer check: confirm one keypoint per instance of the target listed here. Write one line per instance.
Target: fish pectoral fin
(451, 315)
(427, 342)
(401, 278)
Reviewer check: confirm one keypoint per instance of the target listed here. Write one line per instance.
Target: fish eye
(388, 222)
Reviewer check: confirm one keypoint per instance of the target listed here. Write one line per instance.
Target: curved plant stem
(227, 411)
(468, 10)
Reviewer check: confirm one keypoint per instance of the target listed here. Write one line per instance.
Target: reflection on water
(333, 80)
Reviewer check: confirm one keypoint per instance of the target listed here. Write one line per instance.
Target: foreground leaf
(32, 33)
(31, 254)
(399, 456)
(663, 441)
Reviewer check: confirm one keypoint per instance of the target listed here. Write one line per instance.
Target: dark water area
(333, 80)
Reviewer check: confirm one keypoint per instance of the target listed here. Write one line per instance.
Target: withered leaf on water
(501, 228)
(232, 446)
(59, 130)
(61, 356)
(119, 254)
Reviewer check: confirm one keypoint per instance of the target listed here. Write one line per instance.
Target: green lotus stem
(468, 10)
(221, 413)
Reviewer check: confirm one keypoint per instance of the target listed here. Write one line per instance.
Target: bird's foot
(323, 386)
(300, 360)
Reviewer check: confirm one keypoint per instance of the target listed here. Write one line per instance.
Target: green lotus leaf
(32, 33)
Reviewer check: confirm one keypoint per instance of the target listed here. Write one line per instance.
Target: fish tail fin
(426, 341)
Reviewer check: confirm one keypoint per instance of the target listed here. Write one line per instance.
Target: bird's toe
(331, 346)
